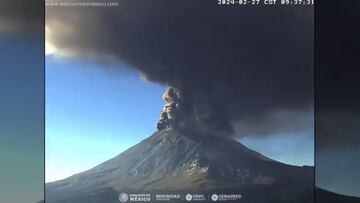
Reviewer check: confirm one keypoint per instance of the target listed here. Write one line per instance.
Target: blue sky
(337, 170)
(294, 149)
(21, 118)
(94, 112)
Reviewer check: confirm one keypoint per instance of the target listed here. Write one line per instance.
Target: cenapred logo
(123, 197)
(214, 197)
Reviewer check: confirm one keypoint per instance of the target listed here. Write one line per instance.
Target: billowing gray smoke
(242, 70)
(170, 113)
(180, 114)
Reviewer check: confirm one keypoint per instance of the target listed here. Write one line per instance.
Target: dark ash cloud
(337, 97)
(337, 76)
(232, 65)
(21, 16)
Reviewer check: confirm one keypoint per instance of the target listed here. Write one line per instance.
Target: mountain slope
(176, 162)
(323, 196)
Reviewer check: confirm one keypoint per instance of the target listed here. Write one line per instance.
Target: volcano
(170, 161)
(324, 196)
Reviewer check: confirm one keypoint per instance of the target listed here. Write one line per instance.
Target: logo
(214, 197)
(167, 197)
(123, 197)
(188, 197)
(226, 197)
(198, 197)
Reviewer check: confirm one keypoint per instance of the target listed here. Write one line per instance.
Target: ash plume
(22, 16)
(171, 109)
(180, 113)
(232, 66)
